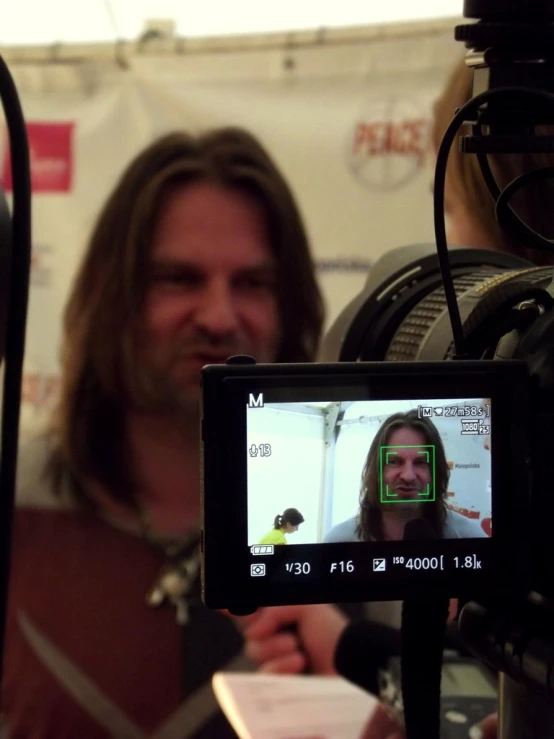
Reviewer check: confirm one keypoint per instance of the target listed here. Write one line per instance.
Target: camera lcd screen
(338, 482)
(358, 471)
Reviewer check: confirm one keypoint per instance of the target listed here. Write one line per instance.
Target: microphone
(423, 635)
(419, 529)
(363, 649)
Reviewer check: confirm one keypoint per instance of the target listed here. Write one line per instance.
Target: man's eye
(255, 282)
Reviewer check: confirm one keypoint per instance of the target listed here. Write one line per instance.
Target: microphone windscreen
(419, 529)
(363, 649)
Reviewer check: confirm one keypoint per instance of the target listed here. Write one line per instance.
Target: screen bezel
(225, 576)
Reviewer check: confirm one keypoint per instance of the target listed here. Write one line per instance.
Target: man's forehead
(414, 435)
(206, 218)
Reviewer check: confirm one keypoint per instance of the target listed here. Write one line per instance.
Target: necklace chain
(177, 580)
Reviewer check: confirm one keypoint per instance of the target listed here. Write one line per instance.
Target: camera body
(401, 538)
(299, 436)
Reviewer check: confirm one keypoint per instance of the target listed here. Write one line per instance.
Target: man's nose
(215, 311)
(408, 472)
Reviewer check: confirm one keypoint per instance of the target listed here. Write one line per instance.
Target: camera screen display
(358, 471)
(345, 482)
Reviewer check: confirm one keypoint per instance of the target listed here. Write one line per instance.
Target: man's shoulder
(344, 531)
(461, 527)
(35, 486)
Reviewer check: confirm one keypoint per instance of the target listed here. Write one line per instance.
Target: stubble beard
(166, 393)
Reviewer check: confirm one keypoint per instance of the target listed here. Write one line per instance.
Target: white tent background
(34, 22)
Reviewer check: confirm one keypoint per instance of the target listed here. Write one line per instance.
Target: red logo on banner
(50, 149)
(388, 142)
(376, 138)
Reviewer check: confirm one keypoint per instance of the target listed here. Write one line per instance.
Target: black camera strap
(422, 644)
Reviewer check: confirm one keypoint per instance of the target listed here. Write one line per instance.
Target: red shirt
(72, 604)
(86, 657)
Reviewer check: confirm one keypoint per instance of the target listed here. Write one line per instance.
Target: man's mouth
(406, 490)
(211, 357)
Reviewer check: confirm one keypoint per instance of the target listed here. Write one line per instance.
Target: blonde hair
(534, 205)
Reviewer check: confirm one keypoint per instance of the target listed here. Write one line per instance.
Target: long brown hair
(370, 523)
(534, 204)
(101, 321)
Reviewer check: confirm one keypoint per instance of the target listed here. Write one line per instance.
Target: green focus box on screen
(387, 455)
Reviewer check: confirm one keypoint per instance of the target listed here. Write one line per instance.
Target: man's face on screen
(407, 472)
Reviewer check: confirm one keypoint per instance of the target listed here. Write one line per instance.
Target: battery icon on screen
(262, 549)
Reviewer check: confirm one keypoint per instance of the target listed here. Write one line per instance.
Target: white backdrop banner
(346, 120)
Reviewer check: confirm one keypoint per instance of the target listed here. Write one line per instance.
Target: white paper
(292, 707)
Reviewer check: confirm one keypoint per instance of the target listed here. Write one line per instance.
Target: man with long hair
(405, 477)
(199, 253)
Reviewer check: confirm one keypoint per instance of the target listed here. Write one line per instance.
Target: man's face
(407, 472)
(211, 287)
